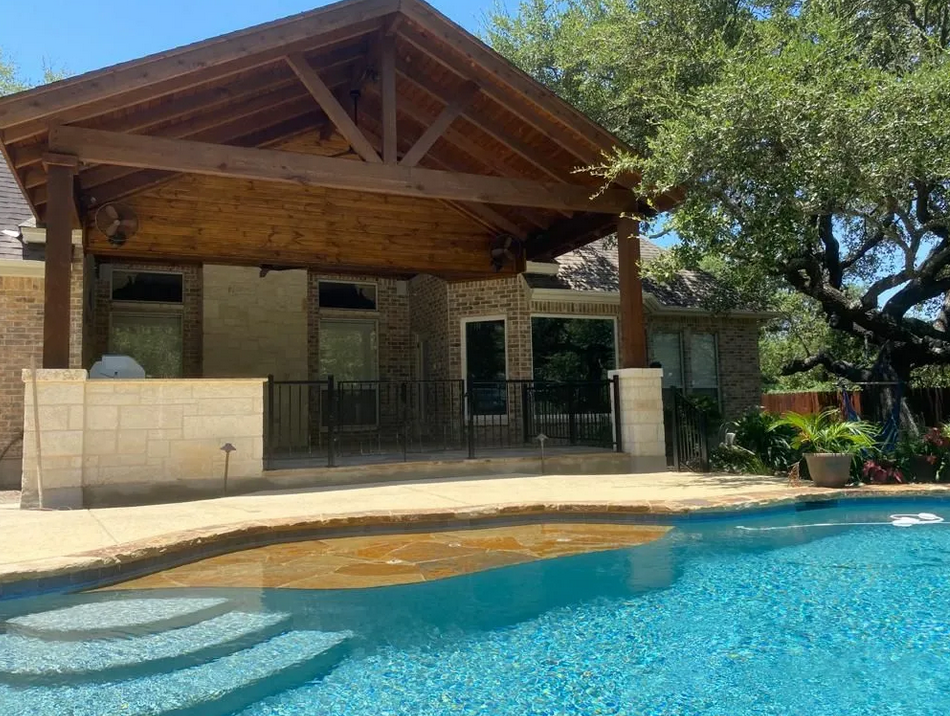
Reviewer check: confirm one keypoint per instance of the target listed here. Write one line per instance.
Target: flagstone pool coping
(127, 560)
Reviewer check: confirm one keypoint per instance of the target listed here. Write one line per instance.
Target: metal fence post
(469, 399)
(269, 422)
(675, 430)
(572, 414)
(525, 417)
(618, 433)
(331, 422)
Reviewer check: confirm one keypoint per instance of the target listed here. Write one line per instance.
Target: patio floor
(41, 543)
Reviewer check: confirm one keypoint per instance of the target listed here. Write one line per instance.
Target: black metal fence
(687, 432)
(367, 421)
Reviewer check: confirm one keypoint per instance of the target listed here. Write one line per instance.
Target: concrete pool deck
(41, 550)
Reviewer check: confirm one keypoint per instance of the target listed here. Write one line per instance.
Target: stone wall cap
(636, 372)
(52, 375)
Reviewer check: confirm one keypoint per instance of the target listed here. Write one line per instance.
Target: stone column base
(641, 418)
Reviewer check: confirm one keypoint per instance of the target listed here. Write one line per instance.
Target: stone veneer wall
(133, 441)
(429, 320)
(737, 340)
(21, 341)
(391, 316)
(641, 417)
(192, 311)
(254, 325)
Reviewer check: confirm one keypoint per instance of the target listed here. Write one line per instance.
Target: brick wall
(502, 297)
(429, 320)
(737, 341)
(192, 311)
(391, 317)
(21, 340)
(254, 325)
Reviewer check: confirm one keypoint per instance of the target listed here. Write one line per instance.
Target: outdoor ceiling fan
(116, 222)
(505, 249)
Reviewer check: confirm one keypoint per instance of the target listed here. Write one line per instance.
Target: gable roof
(596, 268)
(237, 89)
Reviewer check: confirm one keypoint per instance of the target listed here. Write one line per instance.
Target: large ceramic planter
(829, 469)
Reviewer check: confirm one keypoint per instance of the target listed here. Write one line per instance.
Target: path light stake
(541, 438)
(228, 449)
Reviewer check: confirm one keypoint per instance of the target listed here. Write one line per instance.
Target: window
(486, 365)
(703, 365)
(666, 349)
(566, 349)
(154, 340)
(348, 352)
(146, 287)
(341, 294)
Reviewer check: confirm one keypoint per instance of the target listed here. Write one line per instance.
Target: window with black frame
(486, 366)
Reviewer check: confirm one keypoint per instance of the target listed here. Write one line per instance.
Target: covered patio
(369, 142)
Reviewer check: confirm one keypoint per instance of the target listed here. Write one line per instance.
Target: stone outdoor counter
(123, 441)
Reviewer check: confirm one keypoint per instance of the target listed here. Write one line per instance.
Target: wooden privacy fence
(931, 406)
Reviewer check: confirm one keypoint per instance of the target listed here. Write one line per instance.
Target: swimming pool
(838, 611)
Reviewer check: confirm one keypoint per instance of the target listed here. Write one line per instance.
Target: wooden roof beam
(218, 160)
(568, 127)
(440, 124)
(331, 105)
(149, 92)
(387, 80)
(141, 181)
(251, 43)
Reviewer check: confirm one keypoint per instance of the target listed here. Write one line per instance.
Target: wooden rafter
(440, 124)
(387, 78)
(269, 165)
(485, 215)
(334, 110)
(426, 24)
(253, 43)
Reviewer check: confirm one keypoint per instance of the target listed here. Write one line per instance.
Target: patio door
(349, 352)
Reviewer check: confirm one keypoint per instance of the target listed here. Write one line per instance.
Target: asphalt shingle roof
(13, 211)
(595, 267)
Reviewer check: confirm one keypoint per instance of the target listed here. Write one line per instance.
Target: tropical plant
(882, 472)
(826, 432)
(770, 443)
(737, 460)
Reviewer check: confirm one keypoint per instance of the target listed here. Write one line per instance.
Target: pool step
(223, 686)
(117, 617)
(26, 659)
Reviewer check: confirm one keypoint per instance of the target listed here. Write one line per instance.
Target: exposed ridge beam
(250, 43)
(309, 170)
(334, 110)
(440, 124)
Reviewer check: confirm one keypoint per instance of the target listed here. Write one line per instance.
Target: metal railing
(377, 420)
(687, 432)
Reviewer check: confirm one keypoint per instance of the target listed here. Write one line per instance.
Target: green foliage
(762, 433)
(826, 432)
(12, 80)
(736, 459)
(572, 349)
(812, 140)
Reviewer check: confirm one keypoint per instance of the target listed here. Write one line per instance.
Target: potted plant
(829, 444)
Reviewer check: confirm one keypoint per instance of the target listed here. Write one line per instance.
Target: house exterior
(363, 191)
(219, 321)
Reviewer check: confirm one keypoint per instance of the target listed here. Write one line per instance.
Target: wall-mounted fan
(505, 249)
(116, 222)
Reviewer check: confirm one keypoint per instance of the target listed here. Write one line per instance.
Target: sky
(77, 36)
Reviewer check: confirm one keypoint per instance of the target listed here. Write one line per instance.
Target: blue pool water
(832, 611)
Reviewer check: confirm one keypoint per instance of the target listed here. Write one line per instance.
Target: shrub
(758, 432)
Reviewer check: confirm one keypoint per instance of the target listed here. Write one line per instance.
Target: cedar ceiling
(239, 90)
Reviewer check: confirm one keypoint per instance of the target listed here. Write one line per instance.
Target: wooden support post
(388, 91)
(60, 210)
(633, 337)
